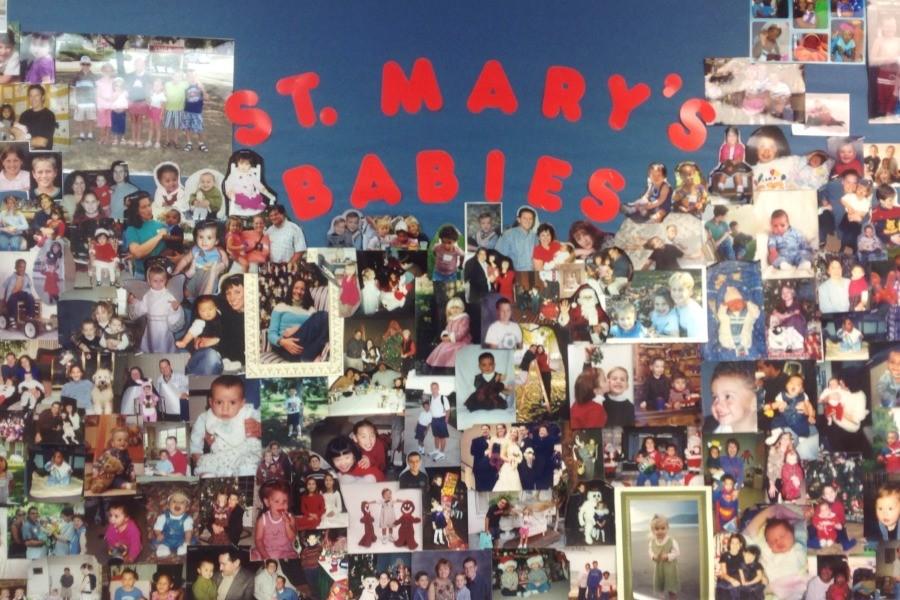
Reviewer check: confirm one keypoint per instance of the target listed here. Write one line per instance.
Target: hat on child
(85, 60)
(100, 231)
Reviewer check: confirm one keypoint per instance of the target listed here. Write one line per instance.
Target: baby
(794, 408)
(59, 472)
(174, 527)
(162, 310)
(115, 336)
(663, 319)
(204, 263)
(859, 288)
(114, 468)
(169, 191)
(207, 200)
(833, 397)
(825, 523)
(208, 323)
(788, 249)
(163, 465)
(887, 510)
(627, 325)
(223, 428)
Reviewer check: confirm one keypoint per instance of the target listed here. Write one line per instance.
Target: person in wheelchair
(19, 288)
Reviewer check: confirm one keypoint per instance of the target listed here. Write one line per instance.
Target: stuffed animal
(406, 534)
(102, 393)
(368, 522)
(106, 469)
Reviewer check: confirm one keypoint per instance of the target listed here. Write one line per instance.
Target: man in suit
(485, 475)
(475, 272)
(233, 581)
(479, 587)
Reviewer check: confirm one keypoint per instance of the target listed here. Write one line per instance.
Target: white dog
(368, 589)
(102, 394)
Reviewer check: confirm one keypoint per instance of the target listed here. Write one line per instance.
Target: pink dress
(445, 353)
(277, 543)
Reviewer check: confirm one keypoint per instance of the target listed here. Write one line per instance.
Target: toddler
(734, 399)
(371, 294)
(791, 477)
(163, 312)
(726, 504)
(890, 454)
(42, 68)
(657, 387)
(174, 527)
(664, 552)
(825, 522)
(123, 538)
(203, 587)
(235, 245)
(204, 263)
(663, 319)
(163, 465)
(869, 247)
(115, 336)
(489, 387)
(103, 192)
(737, 318)
(887, 511)
(207, 201)
(149, 402)
(104, 258)
(275, 526)
(849, 337)
(648, 461)
(127, 591)
(117, 451)
(155, 118)
(165, 589)
(221, 514)
(169, 191)
(627, 325)
(244, 188)
(174, 237)
(448, 255)
(794, 410)
(672, 466)
(788, 249)
(221, 426)
(208, 323)
(679, 395)
(859, 288)
(119, 107)
(59, 471)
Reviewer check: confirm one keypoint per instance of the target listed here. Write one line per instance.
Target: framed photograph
(263, 362)
(662, 525)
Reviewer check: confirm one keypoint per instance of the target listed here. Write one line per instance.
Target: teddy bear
(106, 469)
(368, 588)
(406, 534)
(368, 522)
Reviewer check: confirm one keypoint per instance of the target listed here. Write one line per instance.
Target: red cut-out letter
(373, 183)
(690, 134)
(494, 169)
(603, 203)
(299, 88)
(421, 87)
(254, 125)
(625, 100)
(563, 90)
(435, 172)
(492, 90)
(547, 181)
(310, 197)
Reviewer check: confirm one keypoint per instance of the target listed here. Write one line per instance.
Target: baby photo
(661, 305)
(226, 512)
(339, 266)
(166, 452)
(116, 529)
(485, 382)
(383, 518)
(747, 93)
(662, 555)
(835, 481)
(827, 114)
(788, 232)
(226, 427)
(729, 397)
(359, 449)
(883, 50)
(769, 41)
(115, 455)
(172, 520)
(535, 572)
(792, 330)
(387, 279)
(446, 511)
(736, 321)
(55, 473)
(512, 457)
(589, 515)
(881, 501)
(843, 410)
(146, 580)
(430, 420)
(666, 384)
(847, 336)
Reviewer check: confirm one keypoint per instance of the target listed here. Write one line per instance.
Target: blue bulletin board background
(347, 43)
